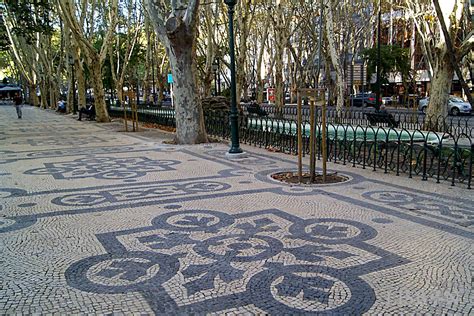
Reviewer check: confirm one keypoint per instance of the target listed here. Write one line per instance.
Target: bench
(382, 117)
(254, 108)
(87, 114)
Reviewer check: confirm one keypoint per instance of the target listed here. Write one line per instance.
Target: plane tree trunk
(178, 34)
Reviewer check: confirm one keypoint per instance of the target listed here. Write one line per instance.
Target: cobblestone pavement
(96, 221)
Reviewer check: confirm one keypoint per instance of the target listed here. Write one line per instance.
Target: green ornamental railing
(442, 156)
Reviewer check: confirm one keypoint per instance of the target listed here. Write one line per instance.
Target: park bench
(88, 113)
(383, 118)
(254, 108)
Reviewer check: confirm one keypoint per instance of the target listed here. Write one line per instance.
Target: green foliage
(5, 60)
(136, 65)
(392, 59)
(30, 16)
(4, 41)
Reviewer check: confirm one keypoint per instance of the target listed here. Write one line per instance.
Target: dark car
(364, 99)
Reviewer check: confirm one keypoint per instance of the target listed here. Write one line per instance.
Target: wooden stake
(323, 135)
(125, 116)
(312, 141)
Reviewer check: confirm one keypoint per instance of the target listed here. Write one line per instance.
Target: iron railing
(408, 119)
(409, 149)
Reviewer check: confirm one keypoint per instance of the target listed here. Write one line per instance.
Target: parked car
(363, 99)
(456, 105)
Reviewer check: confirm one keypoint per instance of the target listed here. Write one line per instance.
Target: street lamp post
(234, 124)
(74, 102)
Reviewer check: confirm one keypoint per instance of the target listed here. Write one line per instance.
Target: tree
(28, 28)
(392, 59)
(120, 54)
(427, 21)
(334, 53)
(178, 33)
(94, 59)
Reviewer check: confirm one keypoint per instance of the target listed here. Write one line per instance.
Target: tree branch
(156, 13)
(190, 16)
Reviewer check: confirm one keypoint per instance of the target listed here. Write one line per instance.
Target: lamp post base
(237, 155)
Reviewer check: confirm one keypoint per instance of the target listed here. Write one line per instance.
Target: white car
(387, 100)
(456, 105)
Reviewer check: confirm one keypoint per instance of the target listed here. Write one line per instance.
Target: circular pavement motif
(297, 289)
(239, 248)
(390, 196)
(208, 221)
(120, 174)
(123, 271)
(126, 272)
(80, 199)
(208, 186)
(332, 292)
(12, 224)
(6, 193)
(48, 171)
(332, 231)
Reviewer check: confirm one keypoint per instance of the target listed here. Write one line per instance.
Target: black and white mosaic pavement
(98, 221)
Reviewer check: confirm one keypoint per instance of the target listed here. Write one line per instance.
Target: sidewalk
(94, 220)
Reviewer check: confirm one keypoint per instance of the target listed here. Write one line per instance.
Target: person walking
(17, 101)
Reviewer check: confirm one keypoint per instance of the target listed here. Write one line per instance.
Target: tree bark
(340, 80)
(178, 35)
(440, 89)
(99, 96)
(189, 115)
(259, 80)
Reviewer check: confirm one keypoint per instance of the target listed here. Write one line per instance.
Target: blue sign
(170, 78)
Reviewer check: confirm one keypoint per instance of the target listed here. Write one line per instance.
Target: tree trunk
(440, 89)
(99, 96)
(189, 115)
(34, 97)
(119, 89)
(280, 44)
(70, 93)
(81, 84)
(340, 80)
(43, 95)
(179, 35)
(279, 86)
(54, 94)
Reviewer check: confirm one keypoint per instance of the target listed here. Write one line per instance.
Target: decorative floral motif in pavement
(104, 168)
(150, 191)
(207, 261)
(452, 212)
